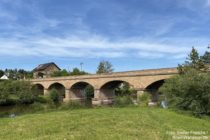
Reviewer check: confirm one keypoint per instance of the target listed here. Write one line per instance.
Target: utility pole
(81, 66)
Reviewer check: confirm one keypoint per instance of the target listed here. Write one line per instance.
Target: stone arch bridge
(104, 84)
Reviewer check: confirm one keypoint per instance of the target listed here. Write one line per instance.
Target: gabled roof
(4, 77)
(44, 66)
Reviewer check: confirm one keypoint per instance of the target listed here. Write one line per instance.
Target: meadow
(105, 123)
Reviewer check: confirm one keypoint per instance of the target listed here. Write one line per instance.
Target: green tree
(104, 67)
(12, 92)
(76, 71)
(54, 95)
(1, 73)
(206, 57)
(189, 91)
(194, 61)
(60, 73)
(124, 90)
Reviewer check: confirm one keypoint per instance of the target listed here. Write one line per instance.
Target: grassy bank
(129, 123)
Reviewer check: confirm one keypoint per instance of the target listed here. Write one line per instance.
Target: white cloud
(84, 44)
(208, 2)
(91, 46)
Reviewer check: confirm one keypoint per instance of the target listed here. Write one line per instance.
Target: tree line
(103, 67)
(17, 74)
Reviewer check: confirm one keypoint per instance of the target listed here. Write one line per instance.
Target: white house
(4, 77)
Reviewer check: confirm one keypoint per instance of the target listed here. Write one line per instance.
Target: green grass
(130, 123)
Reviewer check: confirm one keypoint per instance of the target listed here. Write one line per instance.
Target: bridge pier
(139, 93)
(45, 91)
(96, 100)
(102, 97)
(67, 95)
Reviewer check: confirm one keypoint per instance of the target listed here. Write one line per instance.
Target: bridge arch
(82, 90)
(153, 89)
(38, 89)
(60, 88)
(107, 90)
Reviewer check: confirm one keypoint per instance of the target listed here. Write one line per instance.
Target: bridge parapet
(149, 72)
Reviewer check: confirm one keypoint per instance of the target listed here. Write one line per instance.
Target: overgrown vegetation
(190, 90)
(16, 74)
(15, 92)
(124, 95)
(64, 72)
(144, 99)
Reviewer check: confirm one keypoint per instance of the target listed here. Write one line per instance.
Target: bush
(144, 99)
(42, 99)
(121, 101)
(54, 96)
(189, 91)
(13, 92)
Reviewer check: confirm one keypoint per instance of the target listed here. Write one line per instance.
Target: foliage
(12, 92)
(206, 57)
(190, 91)
(76, 71)
(104, 67)
(194, 61)
(16, 74)
(54, 96)
(144, 99)
(1, 73)
(121, 101)
(42, 99)
(89, 91)
(124, 90)
(63, 72)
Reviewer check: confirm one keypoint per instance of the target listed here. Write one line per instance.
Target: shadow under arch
(108, 90)
(153, 89)
(59, 88)
(37, 89)
(82, 91)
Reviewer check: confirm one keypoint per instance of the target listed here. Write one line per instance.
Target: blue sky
(131, 34)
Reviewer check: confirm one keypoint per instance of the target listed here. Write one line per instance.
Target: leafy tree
(76, 71)
(60, 73)
(189, 91)
(104, 67)
(15, 74)
(124, 90)
(12, 92)
(1, 73)
(89, 92)
(54, 95)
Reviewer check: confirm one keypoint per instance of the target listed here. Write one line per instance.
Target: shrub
(13, 92)
(122, 101)
(144, 99)
(42, 99)
(189, 91)
(54, 96)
